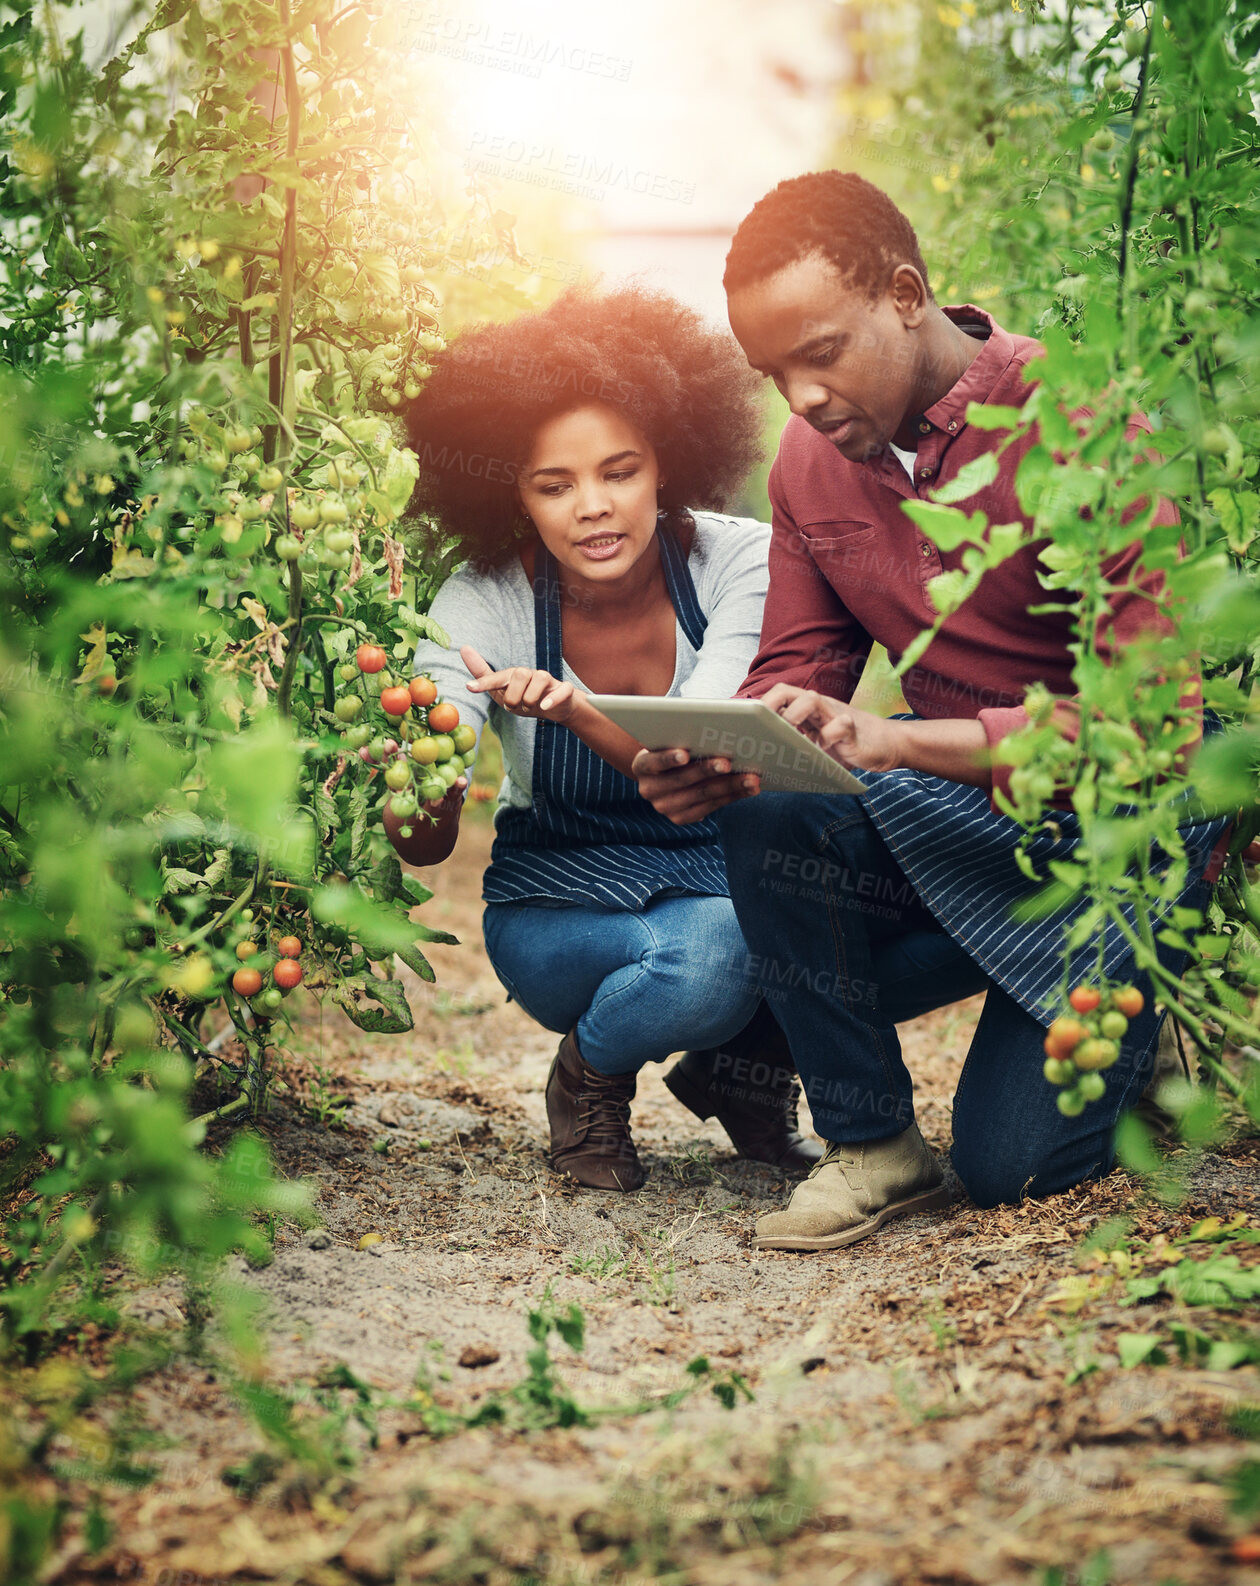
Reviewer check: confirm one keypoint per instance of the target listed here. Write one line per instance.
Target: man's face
(846, 363)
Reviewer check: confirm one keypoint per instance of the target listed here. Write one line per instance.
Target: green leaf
(946, 527)
(1140, 1349)
(992, 416)
(972, 477)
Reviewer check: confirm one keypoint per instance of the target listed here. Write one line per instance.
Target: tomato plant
(1094, 186)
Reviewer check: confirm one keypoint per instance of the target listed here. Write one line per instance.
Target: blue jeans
(638, 986)
(840, 970)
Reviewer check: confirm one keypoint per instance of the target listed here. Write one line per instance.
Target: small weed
(446, 1005)
(599, 1265)
(324, 1103)
(944, 1332)
(695, 1165)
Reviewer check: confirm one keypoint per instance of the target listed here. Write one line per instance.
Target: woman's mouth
(599, 547)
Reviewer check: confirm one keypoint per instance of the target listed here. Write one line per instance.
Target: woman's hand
(522, 690)
(855, 738)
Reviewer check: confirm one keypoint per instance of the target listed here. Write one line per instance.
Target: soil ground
(928, 1405)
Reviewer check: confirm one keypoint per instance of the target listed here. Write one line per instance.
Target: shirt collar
(978, 381)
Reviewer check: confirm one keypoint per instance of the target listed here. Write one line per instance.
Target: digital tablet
(744, 731)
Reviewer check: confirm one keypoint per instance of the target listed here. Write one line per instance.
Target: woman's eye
(551, 490)
(627, 473)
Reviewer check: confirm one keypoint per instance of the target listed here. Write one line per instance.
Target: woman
(562, 452)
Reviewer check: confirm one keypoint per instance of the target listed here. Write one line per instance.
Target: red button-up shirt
(848, 567)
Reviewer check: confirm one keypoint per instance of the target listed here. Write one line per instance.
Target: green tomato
(348, 672)
(238, 440)
(304, 515)
(424, 751)
(448, 773)
(403, 805)
(356, 737)
(332, 509)
(249, 462)
(1070, 1103)
(1059, 1071)
(270, 478)
(456, 763)
(432, 789)
(288, 548)
(348, 708)
(411, 390)
(272, 997)
(339, 540)
(445, 746)
(464, 737)
(1092, 1086)
(1114, 1025)
(398, 775)
(1113, 82)
(337, 560)
(376, 748)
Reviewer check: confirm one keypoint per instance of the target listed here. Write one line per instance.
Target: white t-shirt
(906, 459)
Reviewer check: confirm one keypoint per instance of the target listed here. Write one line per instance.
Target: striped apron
(589, 838)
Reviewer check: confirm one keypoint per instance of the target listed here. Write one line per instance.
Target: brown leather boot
(589, 1114)
(750, 1086)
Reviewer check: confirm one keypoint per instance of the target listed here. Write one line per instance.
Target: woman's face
(589, 484)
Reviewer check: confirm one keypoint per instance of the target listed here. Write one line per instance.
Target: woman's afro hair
(683, 384)
(856, 227)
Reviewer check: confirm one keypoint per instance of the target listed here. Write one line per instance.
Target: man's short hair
(851, 223)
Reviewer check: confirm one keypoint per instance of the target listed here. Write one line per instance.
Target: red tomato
(1063, 1036)
(423, 690)
(287, 974)
(247, 981)
(371, 658)
(1085, 999)
(443, 717)
(289, 947)
(396, 701)
(1128, 1000)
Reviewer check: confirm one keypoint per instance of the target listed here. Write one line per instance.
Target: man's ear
(910, 296)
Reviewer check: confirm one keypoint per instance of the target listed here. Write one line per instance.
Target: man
(860, 912)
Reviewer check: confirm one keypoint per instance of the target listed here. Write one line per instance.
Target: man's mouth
(836, 430)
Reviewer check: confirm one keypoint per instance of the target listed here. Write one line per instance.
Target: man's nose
(805, 396)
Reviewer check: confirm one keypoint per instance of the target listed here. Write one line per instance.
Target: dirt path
(923, 1412)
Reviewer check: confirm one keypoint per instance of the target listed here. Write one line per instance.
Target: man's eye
(824, 356)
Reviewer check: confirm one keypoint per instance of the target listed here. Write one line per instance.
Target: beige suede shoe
(853, 1191)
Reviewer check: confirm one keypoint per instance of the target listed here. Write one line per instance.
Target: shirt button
(925, 473)
(925, 428)
(925, 549)
(952, 425)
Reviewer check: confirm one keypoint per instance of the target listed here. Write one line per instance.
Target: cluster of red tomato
(286, 972)
(433, 747)
(1077, 1049)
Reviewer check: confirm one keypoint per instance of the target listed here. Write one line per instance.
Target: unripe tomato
(304, 515)
(376, 750)
(337, 560)
(456, 764)
(396, 701)
(339, 540)
(1128, 1000)
(247, 982)
(1096, 1053)
(464, 738)
(1092, 1086)
(1063, 1036)
(270, 478)
(1113, 1025)
(443, 717)
(246, 949)
(289, 947)
(249, 462)
(356, 737)
(424, 751)
(447, 772)
(1058, 1072)
(371, 658)
(238, 440)
(1113, 82)
(287, 974)
(288, 548)
(445, 746)
(403, 805)
(348, 708)
(1070, 1103)
(398, 775)
(423, 690)
(347, 672)
(271, 998)
(1085, 999)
